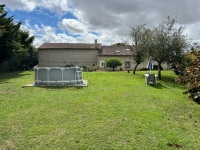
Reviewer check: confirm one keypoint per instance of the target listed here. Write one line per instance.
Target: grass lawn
(116, 111)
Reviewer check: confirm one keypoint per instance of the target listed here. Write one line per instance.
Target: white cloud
(27, 22)
(19, 4)
(27, 28)
(115, 17)
(58, 6)
(44, 34)
(193, 32)
(72, 25)
(111, 19)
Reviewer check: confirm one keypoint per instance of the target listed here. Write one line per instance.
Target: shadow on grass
(60, 87)
(4, 77)
(198, 102)
(158, 86)
(165, 82)
(169, 81)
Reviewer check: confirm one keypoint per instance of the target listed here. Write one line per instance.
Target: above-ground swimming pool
(59, 76)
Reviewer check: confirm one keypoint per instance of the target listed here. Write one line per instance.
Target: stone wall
(125, 59)
(61, 58)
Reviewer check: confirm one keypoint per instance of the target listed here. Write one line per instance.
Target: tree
(2, 8)
(9, 40)
(1, 26)
(168, 44)
(12, 39)
(15, 44)
(119, 44)
(138, 42)
(113, 63)
(29, 57)
(29, 51)
(180, 67)
(192, 77)
(25, 39)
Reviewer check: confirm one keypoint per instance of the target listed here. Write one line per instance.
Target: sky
(109, 21)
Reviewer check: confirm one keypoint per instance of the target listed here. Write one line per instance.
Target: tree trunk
(113, 69)
(135, 68)
(159, 70)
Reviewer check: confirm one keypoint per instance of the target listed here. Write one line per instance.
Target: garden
(116, 111)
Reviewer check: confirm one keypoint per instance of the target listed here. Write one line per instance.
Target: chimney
(95, 43)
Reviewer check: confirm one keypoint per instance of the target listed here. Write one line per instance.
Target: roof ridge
(70, 46)
(67, 43)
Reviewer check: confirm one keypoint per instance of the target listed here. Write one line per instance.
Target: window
(102, 63)
(127, 64)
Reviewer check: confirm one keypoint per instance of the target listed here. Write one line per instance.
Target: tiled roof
(103, 50)
(69, 46)
(115, 50)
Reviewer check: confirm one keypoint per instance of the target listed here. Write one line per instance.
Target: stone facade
(61, 58)
(126, 60)
(66, 54)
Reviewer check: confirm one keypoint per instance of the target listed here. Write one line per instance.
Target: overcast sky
(109, 21)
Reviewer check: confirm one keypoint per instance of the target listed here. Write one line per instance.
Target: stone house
(62, 54)
(121, 52)
(84, 54)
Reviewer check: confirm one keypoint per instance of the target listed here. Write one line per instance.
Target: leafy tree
(29, 57)
(24, 60)
(2, 8)
(113, 63)
(29, 51)
(25, 39)
(138, 42)
(15, 44)
(119, 44)
(168, 43)
(192, 77)
(180, 67)
(9, 40)
(1, 26)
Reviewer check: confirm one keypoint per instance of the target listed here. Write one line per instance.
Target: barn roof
(102, 50)
(69, 46)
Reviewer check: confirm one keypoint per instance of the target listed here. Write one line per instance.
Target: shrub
(192, 76)
(143, 69)
(113, 63)
(155, 67)
(12, 64)
(180, 67)
(4, 66)
(89, 68)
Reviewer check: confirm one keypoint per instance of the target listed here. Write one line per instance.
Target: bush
(89, 68)
(12, 64)
(155, 67)
(143, 69)
(113, 63)
(192, 76)
(20, 61)
(4, 66)
(186, 61)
